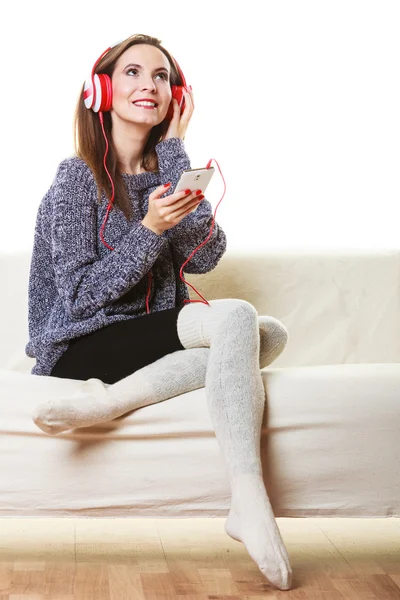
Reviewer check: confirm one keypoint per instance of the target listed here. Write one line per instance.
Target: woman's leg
(236, 399)
(174, 374)
(98, 402)
(221, 351)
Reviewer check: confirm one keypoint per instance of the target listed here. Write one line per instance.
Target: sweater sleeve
(85, 282)
(191, 232)
(195, 227)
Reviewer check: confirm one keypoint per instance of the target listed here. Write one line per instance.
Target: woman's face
(149, 80)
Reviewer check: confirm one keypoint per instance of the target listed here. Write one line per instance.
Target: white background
(298, 101)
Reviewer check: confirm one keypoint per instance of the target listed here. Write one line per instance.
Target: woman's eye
(164, 75)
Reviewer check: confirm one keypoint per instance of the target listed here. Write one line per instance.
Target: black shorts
(118, 350)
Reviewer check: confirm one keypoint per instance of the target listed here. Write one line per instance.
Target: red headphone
(97, 96)
(97, 92)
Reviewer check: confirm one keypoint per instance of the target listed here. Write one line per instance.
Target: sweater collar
(141, 181)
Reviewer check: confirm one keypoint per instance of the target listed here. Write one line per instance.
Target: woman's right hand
(165, 213)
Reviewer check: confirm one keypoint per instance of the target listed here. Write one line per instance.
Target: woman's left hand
(179, 123)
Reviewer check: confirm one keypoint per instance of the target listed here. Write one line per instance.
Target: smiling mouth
(145, 106)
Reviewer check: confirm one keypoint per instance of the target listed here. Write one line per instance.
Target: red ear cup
(105, 102)
(98, 96)
(177, 93)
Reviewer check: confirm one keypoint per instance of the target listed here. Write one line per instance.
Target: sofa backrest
(339, 307)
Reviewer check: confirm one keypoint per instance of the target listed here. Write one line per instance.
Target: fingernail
(198, 192)
(201, 197)
(167, 184)
(187, 191)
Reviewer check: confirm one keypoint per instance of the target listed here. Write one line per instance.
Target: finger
(172, 198)
(192, 206)
(160, 191)
(177, 111)
(190, 96)
(193, 203)
(180, 197)
(158, 195)
(189, 102)
(187, 111)
(184, 210)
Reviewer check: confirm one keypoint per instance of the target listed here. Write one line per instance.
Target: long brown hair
(89, 141)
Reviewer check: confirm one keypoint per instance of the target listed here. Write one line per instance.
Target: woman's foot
(251, 521)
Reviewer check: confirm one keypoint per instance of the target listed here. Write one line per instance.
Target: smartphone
(194, 179)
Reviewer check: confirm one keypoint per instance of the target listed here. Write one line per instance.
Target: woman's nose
(148, 84)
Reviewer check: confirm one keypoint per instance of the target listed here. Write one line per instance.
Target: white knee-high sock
(236, 399)
(174, 374)
(97, 402)
(273, 339)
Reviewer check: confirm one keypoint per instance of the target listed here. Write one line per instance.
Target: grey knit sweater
(77, 285)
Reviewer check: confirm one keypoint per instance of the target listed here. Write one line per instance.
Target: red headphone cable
(195, 250)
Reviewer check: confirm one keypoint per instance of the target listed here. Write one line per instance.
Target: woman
(87, 299)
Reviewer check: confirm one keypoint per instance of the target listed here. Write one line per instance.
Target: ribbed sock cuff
(189, 328)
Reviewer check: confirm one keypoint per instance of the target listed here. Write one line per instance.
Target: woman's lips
(148, 107)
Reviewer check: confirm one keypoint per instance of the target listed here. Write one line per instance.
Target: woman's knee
(198, 323)
(227, 307)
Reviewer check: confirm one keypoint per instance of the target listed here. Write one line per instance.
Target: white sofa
(331, 432)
